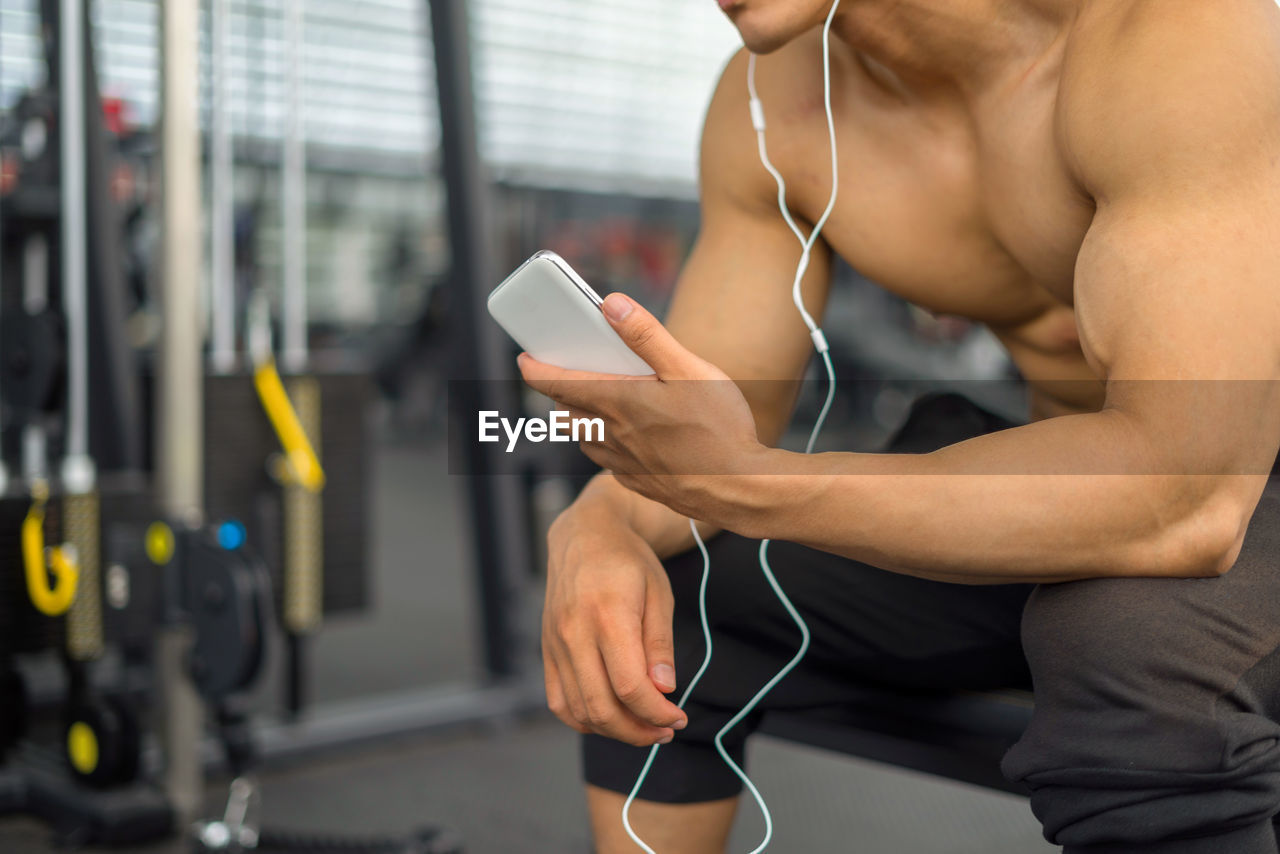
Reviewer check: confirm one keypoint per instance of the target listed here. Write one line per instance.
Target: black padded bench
(957, 735)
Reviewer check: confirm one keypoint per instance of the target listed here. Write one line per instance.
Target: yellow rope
(304, 465)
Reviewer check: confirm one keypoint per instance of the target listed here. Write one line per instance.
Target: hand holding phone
(555, 316)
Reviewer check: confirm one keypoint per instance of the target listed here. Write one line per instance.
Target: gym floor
(515, 789)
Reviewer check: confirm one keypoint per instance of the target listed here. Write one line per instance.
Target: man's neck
(931, 48)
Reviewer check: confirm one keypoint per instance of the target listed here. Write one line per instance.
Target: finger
(659, 643)
(608, 716)
(624, 658)
(648, 338)
(556, 701)
(556, 639)
(589, 696)
(583, 390)
(605, 713)
(576, 706)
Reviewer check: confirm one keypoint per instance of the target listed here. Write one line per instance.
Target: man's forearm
(1068, 498)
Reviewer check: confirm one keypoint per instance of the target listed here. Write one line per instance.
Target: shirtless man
(1097, 181)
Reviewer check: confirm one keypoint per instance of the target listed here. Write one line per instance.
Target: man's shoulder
(1116, 29)
(789, 84)
(1168, 79)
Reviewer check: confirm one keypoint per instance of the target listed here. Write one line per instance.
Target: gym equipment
(13, 712)
(221, 590)
(150, 615)
(103, 739)
(237, 833)
(178, 419)
(501, 535)
(242, 482)
(227, 594)
(59, 348)
(33, 331)
(303, 509)
(51, 586)
(294, 406)
(37, 786)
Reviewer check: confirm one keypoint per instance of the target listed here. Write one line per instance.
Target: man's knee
(694, 828)
(1138, 733)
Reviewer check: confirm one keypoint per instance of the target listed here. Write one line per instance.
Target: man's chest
(983, 222)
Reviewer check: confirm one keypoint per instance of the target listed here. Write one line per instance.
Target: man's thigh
(1157, 703)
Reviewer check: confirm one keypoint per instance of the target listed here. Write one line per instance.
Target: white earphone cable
(820, 345)
(706, 661)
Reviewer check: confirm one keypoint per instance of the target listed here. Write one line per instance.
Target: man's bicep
(1179, 308)
(1181, 291)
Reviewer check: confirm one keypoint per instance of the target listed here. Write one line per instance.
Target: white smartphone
(555, 316)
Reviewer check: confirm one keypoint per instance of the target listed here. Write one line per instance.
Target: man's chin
(762, 45)
(761, 40)
(759, 33)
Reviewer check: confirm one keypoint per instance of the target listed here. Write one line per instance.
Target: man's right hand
(606, 630)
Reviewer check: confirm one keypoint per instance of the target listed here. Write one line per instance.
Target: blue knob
(231, 535)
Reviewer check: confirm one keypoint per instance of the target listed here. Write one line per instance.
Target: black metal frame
(497, 502)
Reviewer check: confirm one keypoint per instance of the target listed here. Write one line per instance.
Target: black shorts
(1156, 699)
(868, 627)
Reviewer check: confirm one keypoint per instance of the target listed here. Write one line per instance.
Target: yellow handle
(303, 462)
(49, 600)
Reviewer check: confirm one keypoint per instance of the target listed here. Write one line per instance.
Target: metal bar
(342, 725)
(179, 439)
(82, 528)
(75, 286)
(222, 191)
(179, 419)
(35, 273)
(336, 725)
(293, 182)
(183, 725)
(4, 468)
(80, 510)
(34, 453)
(296, 696)
(498, 503)
(35, 299)
(303, 569)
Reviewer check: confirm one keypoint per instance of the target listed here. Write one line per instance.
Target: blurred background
(245, 248)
